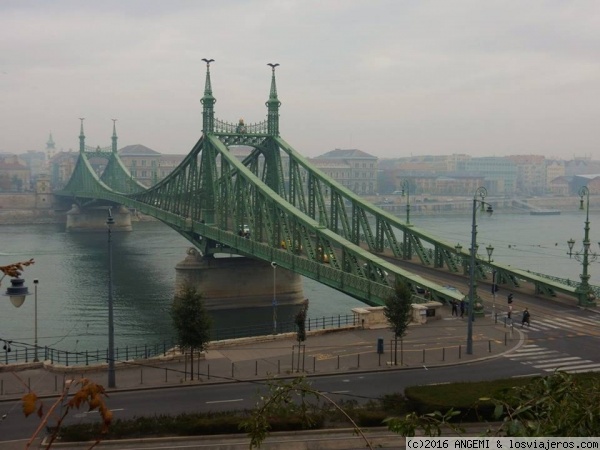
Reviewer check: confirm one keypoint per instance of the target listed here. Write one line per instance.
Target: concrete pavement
(343, 350)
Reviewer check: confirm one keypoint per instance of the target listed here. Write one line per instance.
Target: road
(357, 386)
(561, 336)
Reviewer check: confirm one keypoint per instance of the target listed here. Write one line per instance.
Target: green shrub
(394, 404)
(371, 418)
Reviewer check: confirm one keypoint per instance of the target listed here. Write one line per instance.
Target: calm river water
(73, 274)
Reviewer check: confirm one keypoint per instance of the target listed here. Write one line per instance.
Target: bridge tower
(256, 283)
(92, 217)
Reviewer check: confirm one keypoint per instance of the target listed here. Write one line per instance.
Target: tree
(560, 404)
(398, 311)
(286, 398)
(300, 321)
(557, 405)
(192, 323)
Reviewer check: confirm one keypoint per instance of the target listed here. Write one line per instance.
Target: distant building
(167, 164)
(61, 168)
(560, 186)
(554, 169)
(36, 161)
(531, 174)
(142, 163)
(592, 181)
(14, 174)
(500, 174)
(353, 169)
(50, 148)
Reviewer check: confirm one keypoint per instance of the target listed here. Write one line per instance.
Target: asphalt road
(357, 386)
(561, 336)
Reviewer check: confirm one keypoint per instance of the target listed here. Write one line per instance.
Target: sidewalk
(438, 342)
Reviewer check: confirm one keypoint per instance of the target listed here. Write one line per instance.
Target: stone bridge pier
(94, 219)
(237, 282)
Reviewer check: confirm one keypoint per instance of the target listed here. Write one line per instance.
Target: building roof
(12, 162)
(339, 153)
(137, 150)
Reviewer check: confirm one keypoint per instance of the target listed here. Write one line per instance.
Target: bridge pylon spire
(81, 137)
(114, 136)
(208, 102)
(273, 105)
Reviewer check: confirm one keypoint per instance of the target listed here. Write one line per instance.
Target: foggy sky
(392, 78)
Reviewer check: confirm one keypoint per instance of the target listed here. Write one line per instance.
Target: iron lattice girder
(197, 199)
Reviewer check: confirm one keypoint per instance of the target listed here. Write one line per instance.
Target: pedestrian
(462, 307)
(509, 313)
(526, 317)
(454, 307)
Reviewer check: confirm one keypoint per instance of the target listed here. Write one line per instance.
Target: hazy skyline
(392, 78)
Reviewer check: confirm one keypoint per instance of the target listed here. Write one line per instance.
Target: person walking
(526, 318)
(454, 307)
(462, 307)
(509, 313)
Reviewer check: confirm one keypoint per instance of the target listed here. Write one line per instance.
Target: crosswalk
(551, 360)
(570, 323)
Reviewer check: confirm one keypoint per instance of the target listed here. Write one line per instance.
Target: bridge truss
(297, 216)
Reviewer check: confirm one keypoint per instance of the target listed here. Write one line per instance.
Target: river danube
(73, 275)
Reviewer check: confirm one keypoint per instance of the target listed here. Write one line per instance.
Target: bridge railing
(567, 282)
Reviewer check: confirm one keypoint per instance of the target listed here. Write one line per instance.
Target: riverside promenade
(439, 342)
(342, 350)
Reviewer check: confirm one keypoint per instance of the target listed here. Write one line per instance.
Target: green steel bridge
(298, 217)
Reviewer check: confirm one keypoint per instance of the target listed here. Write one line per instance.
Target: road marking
(96, 412)
(571, 358)
(225, 401)
(592, 369)
(339, 392)
(581, 367)
(562, 364)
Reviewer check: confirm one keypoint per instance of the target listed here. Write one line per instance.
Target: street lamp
(481, 192)
(405, 191)
(111, 328)
(17, 291)
(586, 296)
(490, 250)
(407, 249)
(35, 321)
(274, 266)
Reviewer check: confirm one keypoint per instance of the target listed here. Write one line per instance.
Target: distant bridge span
(298, 217)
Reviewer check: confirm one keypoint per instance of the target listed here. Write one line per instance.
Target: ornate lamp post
(405, 191)
(490, 250)
(585, 295)
(274, 266)
(481, 192)
(35, 322)
(111, 328)
(407, 250)
(17, 291)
